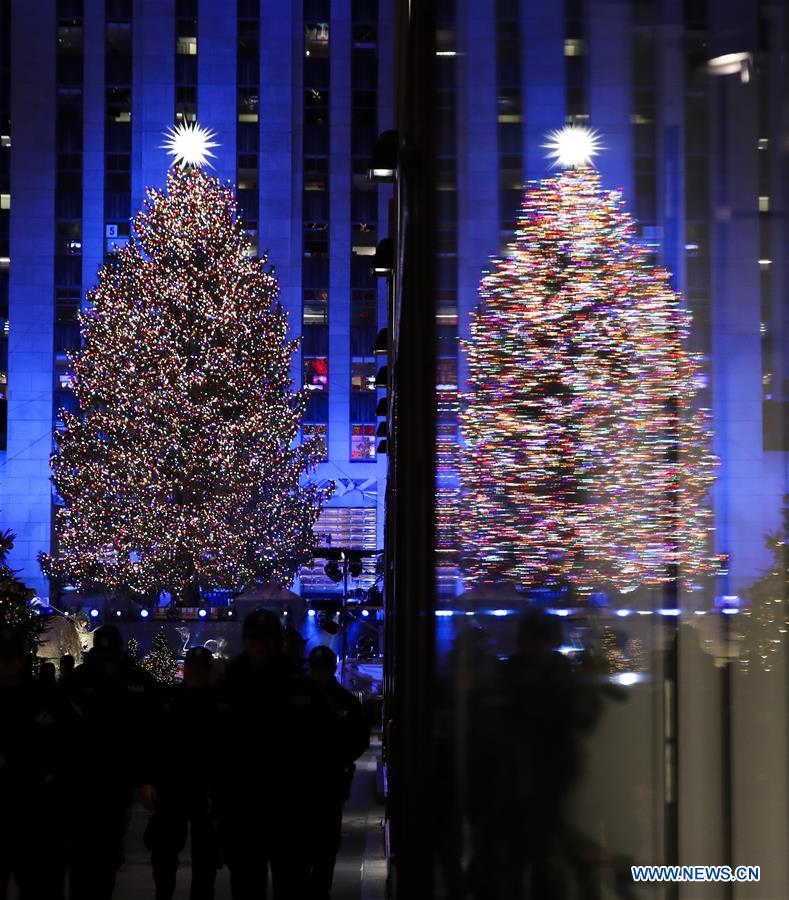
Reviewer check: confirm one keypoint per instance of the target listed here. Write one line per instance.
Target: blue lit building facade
(699, 155)
(296, 93)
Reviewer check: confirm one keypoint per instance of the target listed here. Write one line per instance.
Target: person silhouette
(524, 757)
(32, 745)
(351, 739)
(181, 790)
(273, 719)
(113, 704)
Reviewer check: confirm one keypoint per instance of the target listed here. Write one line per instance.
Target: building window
(316, 373)
(316, 173)
(116, 236)
(316, 239)
(316, 40)
(119, 104)
(186, 46)
(316, 107)
(186, 104)
(363, 442)
(248, 101)
(309, 431)
(316, 307)
(447, 374)
(362, 375)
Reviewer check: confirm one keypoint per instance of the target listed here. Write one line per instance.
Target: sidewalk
(361, 865)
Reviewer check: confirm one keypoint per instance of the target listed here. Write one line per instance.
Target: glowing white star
(189, 144)
(573, 146)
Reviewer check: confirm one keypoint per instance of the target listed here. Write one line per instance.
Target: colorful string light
(584, 459)
(181, 465)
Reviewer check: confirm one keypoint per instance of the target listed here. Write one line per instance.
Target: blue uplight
(144, 613)
(94, 613)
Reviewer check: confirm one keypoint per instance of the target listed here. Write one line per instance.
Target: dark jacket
(112, 724)
(186, 741)
(32, 742)
(276, 728)
(352, 731)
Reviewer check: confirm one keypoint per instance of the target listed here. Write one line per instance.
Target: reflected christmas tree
(766, 621)
(180, 467)
(584, 458)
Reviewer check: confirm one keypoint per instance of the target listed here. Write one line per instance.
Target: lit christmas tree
(180, 466)
(585, 461)
(160, 661)
(17, 617)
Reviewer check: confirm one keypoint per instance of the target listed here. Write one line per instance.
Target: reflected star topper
(573, 146)
(190, 144)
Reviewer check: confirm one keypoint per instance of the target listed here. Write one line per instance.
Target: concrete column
(153, 98)
(281, 53)
(542, 73)
(340, 232)
(386, 96)
(93, 144)
(27, 499)
(609, 42)
(477, 157)
(217, 69)
(670, 140)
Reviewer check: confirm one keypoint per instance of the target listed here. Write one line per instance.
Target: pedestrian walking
(275, 721)
(181, 790)
(351, 737)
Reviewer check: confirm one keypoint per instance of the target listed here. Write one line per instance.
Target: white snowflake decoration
(190, 144)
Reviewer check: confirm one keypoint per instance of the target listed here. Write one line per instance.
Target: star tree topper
(573, 146)
(190, 144)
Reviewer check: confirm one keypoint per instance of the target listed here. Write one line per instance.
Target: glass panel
(610, 640)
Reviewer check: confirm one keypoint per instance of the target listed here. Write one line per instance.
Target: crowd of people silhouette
(254, 763)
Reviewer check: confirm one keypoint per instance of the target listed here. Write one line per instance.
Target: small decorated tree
(17, 617)
(160, 662)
